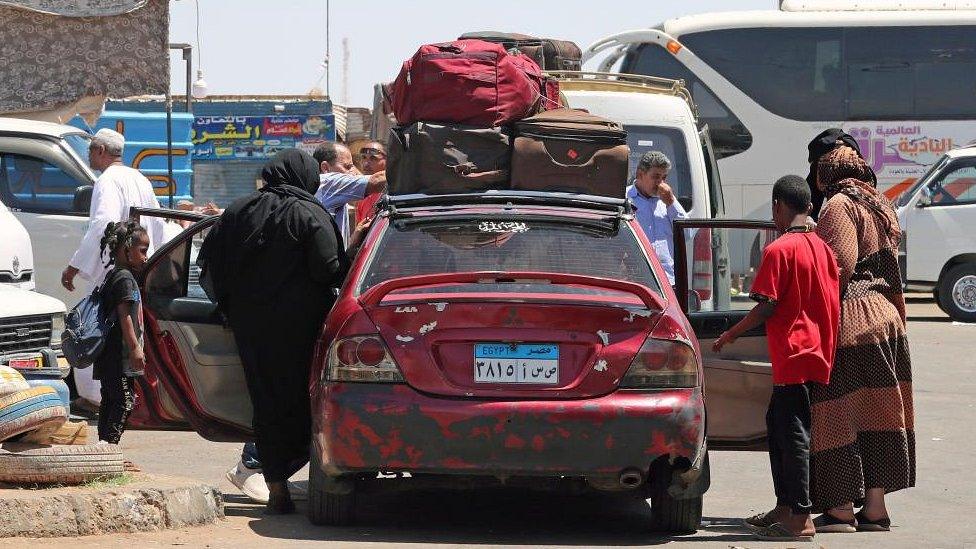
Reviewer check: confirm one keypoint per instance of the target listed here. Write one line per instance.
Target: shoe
(279, 506)
(761, 520)
(778, 532)
(249, 481)
(866, 525)
(829, 524)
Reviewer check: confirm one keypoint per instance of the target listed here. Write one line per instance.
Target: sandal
(130, 467)
(829, 524)
(279, 506)
(865, 524)
(778, 532)
(760, 520)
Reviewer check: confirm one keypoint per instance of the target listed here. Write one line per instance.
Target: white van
(16, 254)
(659, 114)
(938, 217)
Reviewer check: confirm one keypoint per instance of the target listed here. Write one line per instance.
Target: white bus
(902, 82)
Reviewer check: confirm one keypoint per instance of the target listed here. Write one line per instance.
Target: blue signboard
(257, 137)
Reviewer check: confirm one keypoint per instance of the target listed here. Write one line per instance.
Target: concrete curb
(149, 503)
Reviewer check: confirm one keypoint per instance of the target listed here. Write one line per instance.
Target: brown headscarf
(842, 170)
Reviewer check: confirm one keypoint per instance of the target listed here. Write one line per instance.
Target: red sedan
(512, 339)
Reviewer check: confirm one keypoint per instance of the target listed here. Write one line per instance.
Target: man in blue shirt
(341, 183)
(655, 206)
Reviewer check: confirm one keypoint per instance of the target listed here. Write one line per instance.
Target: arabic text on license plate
(25, 363)
(536, 363)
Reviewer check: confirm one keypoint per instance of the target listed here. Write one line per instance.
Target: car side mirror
(924, 199)
(82, 200)
(685, 202)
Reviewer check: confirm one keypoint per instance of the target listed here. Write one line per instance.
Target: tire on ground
(326, 508)
(947, 300)
(33, 463)
(35, 408)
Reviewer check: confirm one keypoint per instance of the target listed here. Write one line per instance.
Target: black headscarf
(825, 142)
(291, 168)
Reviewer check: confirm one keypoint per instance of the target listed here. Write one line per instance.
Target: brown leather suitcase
(548, 53)
(569, 150)
(435, 158)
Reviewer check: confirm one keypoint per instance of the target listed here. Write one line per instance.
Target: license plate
(535, 363)
(25, 363)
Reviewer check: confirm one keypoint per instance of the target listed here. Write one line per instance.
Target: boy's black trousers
(788, 426)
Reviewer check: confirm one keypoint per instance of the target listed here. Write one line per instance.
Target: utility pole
(328, 58)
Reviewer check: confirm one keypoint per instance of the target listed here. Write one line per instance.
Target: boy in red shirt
(798, 295)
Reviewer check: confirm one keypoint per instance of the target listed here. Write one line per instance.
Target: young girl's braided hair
(119, 236)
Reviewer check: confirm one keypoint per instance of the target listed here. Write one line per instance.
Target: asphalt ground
(937, 513)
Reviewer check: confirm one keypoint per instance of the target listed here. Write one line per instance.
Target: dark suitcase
(568, 150)
(434, 158)
(550, 54)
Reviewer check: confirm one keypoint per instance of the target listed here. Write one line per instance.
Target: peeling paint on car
(600, 366)
(604, 337)
(428, 327)
(404, 339)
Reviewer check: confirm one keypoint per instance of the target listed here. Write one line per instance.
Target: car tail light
(701, 266)
(362, 359)
(661, 364)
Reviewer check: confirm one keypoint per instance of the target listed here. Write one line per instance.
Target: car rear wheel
(327, 508)
(675, 515)
(957, 292)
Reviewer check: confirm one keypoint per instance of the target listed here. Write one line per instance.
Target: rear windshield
(411, 249)
(669, 141)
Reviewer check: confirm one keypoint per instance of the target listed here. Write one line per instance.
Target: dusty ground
(936, 514)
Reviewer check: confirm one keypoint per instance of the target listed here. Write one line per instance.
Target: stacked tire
(32, 409)
(40, 464)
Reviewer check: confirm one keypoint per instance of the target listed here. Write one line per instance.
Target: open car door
(738, 380)
(194, 378)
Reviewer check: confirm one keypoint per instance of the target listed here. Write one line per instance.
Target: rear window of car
(505, 245)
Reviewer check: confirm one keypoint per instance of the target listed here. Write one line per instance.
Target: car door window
(33, 184)
(957, 186)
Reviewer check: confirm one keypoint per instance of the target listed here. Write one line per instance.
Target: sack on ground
(568, 150)
(86, 329)
(434, 158)
(470, 82)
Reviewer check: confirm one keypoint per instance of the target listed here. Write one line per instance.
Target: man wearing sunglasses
(373, 159)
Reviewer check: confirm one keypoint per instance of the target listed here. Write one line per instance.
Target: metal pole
(169, 145)
(188, 57)
(328, 56)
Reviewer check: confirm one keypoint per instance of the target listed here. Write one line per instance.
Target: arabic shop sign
(257, 137)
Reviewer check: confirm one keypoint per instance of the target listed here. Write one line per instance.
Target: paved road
(935, 514)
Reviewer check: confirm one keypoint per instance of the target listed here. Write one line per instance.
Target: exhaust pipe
(631, 478)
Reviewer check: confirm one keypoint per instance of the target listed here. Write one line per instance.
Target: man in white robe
(118, 188)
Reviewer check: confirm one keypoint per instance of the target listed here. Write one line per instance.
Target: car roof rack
(623, 82)
(400, 205)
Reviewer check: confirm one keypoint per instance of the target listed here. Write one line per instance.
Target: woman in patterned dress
(863, 439)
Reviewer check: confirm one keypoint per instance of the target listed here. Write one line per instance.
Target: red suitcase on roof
(470, 82)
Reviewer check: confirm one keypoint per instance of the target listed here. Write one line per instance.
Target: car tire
(328, 508)
(43, 464)
(33, 409)
(677, 516)
(957, 292)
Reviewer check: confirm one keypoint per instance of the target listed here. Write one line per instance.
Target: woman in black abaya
(272, 263)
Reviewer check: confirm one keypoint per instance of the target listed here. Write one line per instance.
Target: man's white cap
(113, 141)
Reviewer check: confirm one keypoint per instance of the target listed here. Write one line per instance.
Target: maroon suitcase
(568, 150)
(469, 82)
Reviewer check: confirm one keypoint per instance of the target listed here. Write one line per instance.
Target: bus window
(31, 184)
(795, 73)
(911, 72)
(729, 135)
(671, 142)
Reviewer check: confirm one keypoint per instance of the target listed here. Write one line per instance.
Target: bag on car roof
(86, 330)
(469, 82)
(569, 150)
(548, 53)
(435, 158)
